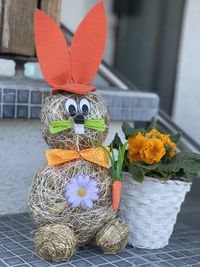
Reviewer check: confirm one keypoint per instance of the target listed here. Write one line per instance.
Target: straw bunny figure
(70, 197)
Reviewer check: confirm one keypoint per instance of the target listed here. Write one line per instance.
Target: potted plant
(156, 179)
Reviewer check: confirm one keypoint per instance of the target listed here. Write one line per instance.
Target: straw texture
(61, 228)
(54, 110)
(47, 201)
(55, 242)
(113, 236)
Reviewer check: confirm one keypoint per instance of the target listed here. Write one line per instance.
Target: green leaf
(116, 165)
(152, 124)
(190, 166)
(112, 159)
(147, 167)
(182, 166)
(136, 172)
(165, 159)
(160, 173)
(116, 142)
(175, 137)
(187, 156)
(126, 161)
(127, 129)
(120, 161)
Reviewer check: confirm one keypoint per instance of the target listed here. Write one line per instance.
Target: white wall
(187, 102)
(21, 153)
(73, 12)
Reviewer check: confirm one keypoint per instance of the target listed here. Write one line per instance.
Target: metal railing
(116, 79)
(165, 123)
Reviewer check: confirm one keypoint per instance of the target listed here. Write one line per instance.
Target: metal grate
(16, 249)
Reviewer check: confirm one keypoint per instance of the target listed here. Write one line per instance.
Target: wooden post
(16, 24)
(52, 8)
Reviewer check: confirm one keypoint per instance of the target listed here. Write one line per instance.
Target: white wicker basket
(150, 209)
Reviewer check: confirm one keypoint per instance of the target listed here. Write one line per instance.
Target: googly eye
(71, 107)
(84, 106)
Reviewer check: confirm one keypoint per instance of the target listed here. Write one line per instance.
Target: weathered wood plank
(52, 8)
(17, 26)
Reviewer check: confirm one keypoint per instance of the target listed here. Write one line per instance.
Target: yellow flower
(153, 151)
(149, 147)
(167, 141)
(165, 138)
(155, 133)
(135, 144)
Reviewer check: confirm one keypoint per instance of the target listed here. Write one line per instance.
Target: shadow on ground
(190, 210)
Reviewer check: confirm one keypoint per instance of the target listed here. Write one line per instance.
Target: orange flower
(155, 133)
(165, 139)
(135, 144)
(153, 151)
(172, 152)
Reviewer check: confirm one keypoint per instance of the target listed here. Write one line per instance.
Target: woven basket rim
(159, 181)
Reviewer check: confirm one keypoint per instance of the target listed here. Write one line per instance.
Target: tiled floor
(16, 249)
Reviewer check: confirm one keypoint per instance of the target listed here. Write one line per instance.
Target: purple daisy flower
(82, 191)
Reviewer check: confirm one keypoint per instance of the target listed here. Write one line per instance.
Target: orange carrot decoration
(116, 167)
(116, 194)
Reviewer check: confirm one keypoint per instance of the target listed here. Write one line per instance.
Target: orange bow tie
(95, 155)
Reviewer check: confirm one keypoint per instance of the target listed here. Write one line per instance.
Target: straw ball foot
(55, 242)
(113, 236)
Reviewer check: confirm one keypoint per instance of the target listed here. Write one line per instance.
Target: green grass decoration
(96, 124)
(116, 165)
(60, 126)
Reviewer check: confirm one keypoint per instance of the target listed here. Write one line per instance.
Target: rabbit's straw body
(48, 204)
(70, 198)
(47, 200)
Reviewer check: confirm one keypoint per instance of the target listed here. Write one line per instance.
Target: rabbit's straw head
(73, 121)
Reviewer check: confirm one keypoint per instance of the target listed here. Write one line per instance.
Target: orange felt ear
(88, 45)
(52, 50)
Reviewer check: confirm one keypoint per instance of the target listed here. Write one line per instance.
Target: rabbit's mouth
(79, 124)
(79, 128)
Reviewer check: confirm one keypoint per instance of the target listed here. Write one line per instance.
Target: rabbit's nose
(79, 119)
